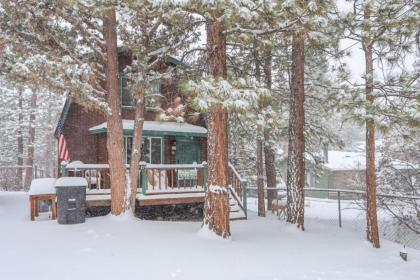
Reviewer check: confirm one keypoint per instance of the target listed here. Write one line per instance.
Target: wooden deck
(103, 198)
(170, 198)
(161, 184)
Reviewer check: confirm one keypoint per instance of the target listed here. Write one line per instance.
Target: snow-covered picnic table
(42, 189)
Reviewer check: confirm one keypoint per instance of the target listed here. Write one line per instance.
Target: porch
(160, 184)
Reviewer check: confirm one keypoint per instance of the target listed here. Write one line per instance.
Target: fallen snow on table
(42, 186)
(120, 248)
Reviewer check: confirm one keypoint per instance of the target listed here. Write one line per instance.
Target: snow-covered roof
(71, 182)
(166, 128)
(42, 186)
(340, 160)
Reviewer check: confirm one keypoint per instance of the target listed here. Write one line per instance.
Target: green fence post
(63, 169)
(143, 177)
(204, 175)
(245, 197)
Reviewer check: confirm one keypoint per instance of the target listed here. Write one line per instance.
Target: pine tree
(309, 19)
(148, 33)
(384, 29)
(75, 44)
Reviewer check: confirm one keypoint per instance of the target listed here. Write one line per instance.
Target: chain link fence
(398, 218)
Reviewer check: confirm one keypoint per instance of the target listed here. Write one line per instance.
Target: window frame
(158, 86)
(149, 138)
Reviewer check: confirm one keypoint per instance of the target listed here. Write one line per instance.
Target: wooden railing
(97, 175)
(172, 178)
(239, 187)
(153, 178)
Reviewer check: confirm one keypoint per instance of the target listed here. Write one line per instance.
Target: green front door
(187, 150)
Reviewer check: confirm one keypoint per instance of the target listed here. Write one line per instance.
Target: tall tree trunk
(115, 141)
(136, 149)
(270, 167)
(260, 177)
(48, 156)
(260, 144)
(216, 205)
(372, 219)
(270, 171)
(31, 142)
(20, 139)
(295, 159)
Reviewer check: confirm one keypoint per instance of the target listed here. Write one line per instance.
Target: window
(155, 150)
(126, 97)
(151, 151)
(153, 96)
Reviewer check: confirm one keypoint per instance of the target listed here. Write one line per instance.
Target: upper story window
(153, 96)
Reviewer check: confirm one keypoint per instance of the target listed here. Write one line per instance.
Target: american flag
(63, 153)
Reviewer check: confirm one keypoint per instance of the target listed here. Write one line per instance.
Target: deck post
(143, 174)
(204, 175)
(63, 168)
(245, 197)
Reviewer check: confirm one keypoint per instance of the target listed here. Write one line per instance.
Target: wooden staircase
(236, 211)
(237, 195)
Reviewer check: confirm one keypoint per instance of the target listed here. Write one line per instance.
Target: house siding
(88, 148)
(80, 143)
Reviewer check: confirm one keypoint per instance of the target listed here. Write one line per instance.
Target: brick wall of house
(101, 154)
(90, 148)
(80, 143)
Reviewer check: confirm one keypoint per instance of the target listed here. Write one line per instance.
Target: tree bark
(259, 144)
(270, 167)
(216, 205)
(136, 149)
(372, 219)
(295, 160)
(260, 177)
(115, 142)
(270, 172)
(20, 139)
(49, 165)
(31, 142)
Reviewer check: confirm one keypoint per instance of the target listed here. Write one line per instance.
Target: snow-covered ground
(128, 248)
(324, 212)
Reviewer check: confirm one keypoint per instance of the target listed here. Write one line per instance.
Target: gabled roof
(66, 107)
(63, 116)
(154, 128)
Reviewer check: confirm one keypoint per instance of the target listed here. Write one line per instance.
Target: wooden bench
(34, 201)
(42, 190)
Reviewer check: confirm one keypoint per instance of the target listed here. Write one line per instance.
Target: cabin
(173, 169)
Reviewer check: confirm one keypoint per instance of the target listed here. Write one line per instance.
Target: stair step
(237, 215)
(235, 208)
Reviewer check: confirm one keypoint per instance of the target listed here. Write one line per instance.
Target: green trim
(162, 151)
(245, 198)
(143, 174)
(63, 169)
(204, 176)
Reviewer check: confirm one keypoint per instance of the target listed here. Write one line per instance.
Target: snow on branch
(239, 95)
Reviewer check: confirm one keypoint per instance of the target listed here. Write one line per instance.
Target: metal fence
(346, 209)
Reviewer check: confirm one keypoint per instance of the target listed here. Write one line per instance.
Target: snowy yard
(128, 248)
